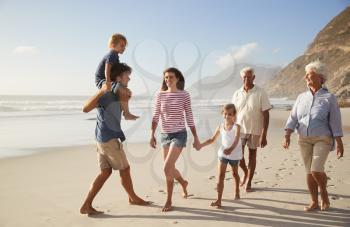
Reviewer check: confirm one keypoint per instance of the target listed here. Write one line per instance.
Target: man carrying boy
(109, 138)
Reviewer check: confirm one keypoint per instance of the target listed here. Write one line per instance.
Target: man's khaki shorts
(252, 141)
(314, 152)
(111, 155)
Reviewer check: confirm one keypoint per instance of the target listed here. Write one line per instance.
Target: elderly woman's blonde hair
(317, 67)
(245, 70)
(116, 38)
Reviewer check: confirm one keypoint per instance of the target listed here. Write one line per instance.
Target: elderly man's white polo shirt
(250, 106)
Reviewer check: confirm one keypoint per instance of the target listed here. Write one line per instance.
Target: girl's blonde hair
(229, 107)
(116, 38)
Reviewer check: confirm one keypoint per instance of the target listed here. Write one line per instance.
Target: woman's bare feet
(311, 207)
(216, 204)
(184, 188)
(167, 207)
(244, 179)
(138, 201)
(325, 206)
(89, 210)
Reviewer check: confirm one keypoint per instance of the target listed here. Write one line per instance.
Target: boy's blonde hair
(229, 107)
(115, 38)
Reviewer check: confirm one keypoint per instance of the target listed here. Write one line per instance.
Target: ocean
(31, 122)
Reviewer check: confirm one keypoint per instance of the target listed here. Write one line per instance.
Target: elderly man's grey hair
(245, 70)
(318, 68)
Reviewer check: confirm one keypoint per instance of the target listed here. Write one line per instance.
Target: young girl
(172, 104)
(230, 150)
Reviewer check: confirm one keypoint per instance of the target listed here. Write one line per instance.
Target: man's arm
(92, 102)
(266, 117)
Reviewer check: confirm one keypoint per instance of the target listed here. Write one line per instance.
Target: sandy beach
(47, 188)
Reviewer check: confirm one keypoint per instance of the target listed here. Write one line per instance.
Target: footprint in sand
(331, 186)
(268, 168)
(258, 182)
(228, 178)
(291, 173)
(335, 197)
(280, 169)
(331, 167)
(211, 177)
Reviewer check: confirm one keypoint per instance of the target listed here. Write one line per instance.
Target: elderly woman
(316, 116)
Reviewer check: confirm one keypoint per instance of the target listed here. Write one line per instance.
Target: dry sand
(47, 188)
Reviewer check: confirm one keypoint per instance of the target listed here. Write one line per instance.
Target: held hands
(197, 144)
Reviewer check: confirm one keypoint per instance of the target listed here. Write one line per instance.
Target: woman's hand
(340, 147)
(153, 142)
(286, 143)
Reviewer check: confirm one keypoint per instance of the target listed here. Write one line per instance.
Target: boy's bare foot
(129, 116)
(216, 204)
(89, 210)
(244, 179)
(139, 202)
(184, 188)
(311, 207)
(325, 206)
(167, 207)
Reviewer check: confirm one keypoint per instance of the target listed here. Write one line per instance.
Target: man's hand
(340, 149)
(263, 141)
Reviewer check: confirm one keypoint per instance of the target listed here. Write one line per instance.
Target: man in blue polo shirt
(109, 138)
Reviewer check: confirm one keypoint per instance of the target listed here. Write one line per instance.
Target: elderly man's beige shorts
(111, 155)
(314, 152)
(252, 141)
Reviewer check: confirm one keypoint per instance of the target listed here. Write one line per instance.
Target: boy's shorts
(252, 141)
(111, 155)
(179, 139)
(228, 161)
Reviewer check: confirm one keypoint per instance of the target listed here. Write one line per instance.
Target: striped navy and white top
(171, 107)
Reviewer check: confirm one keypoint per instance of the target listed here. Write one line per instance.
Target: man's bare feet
(244, 179)
(89, 210)
(216, 204)
(138, 201)
(311, 207)
(325, 206)
(129, 116)
(237, 197)
(167, 207)
(248, 188)
(184, 188)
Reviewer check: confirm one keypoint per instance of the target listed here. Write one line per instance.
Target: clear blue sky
(54, 47)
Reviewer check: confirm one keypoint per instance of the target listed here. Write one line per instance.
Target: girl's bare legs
(236, 179)
(169, 170)
(177, 175)
(220, 184)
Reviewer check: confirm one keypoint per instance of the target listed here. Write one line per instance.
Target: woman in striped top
(172, 103)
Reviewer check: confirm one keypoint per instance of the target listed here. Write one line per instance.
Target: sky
(54, 47)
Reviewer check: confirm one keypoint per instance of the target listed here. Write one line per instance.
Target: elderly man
(253, 107)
